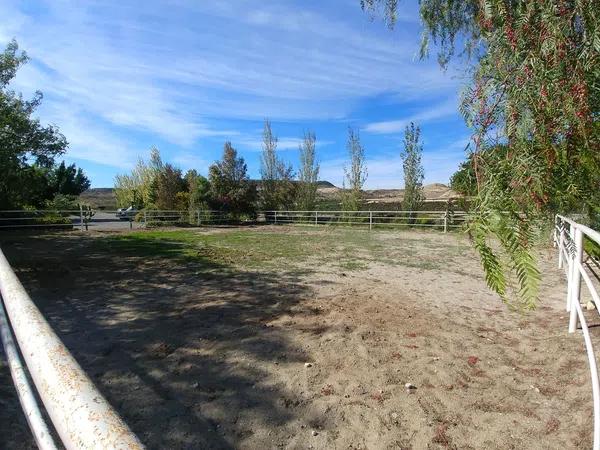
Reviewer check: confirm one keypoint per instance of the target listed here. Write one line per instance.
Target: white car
(126, 213)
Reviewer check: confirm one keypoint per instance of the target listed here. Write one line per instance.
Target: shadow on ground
(178, 346)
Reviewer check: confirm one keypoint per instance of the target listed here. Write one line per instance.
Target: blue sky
(121, 76)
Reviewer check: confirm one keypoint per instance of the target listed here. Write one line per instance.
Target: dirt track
(196, 358)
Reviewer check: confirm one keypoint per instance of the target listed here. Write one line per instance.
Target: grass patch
(288, 248)
(353, 265)
(246, 248)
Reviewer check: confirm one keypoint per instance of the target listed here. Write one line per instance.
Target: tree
(535, 70)
(277, 186)
(24, 142)
(464, 180)
(355, 175)
(413, 169)
(199, 190)
(68, 180)
(170, 186)
(231, 189)
(308, 174)
(268, 169)
(139, 188)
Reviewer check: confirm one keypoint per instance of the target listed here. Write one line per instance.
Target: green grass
(341, 248)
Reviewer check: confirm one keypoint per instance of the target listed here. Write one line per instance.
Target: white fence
(111, 220)
(569, 237)
(438, 219)
(40, 218)
(81, 416)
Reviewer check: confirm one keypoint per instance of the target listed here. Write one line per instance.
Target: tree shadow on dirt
(181, 347)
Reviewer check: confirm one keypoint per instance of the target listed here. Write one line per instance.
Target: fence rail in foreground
(80, 414)
(569, 239)
(111, 220)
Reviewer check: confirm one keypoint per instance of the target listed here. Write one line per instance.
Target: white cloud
(173, 72)
(447, 108)
(89, 142)
(187, 161)
(284, 143)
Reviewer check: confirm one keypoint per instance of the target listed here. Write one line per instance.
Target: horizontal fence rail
(114, 220)
(438, 219)
(32, 412)
(569, 239)
(81, 416)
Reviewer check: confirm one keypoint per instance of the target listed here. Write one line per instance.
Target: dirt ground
(311, 355)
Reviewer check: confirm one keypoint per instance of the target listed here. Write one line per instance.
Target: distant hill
(325, 184)
(100, 198)
(434, 191)
(104, 198)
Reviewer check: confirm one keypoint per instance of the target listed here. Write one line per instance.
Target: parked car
(126, 213)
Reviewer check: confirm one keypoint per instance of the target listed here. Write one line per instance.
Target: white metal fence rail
(38, 427)
(83, 220)
(81, 416)
(439, 219)
(569, 239)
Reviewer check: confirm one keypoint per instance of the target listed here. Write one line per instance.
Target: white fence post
(370, 220)
(145, 220)
(198, 215)
(81, 216)
(576, 279)
(446, 222)
(561, 243)
(316, 217)
(566, 238)
(570, 265)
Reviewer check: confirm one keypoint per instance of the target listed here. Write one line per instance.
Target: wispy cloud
(184, 73)
(189, 160)
(438, 111)
(284, 143)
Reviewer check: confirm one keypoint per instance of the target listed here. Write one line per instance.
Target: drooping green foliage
(535, 68)
(413, 168)
(355, 174)
(231, 190)
(308, 174)
(27, 148)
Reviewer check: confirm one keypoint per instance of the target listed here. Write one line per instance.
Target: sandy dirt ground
(314, 358)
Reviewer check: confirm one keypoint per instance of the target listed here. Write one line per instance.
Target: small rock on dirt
(307, 364)
(315, 433)
(590, 306)
(410, 388)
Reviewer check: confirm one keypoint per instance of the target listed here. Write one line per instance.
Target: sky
(119, 77)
